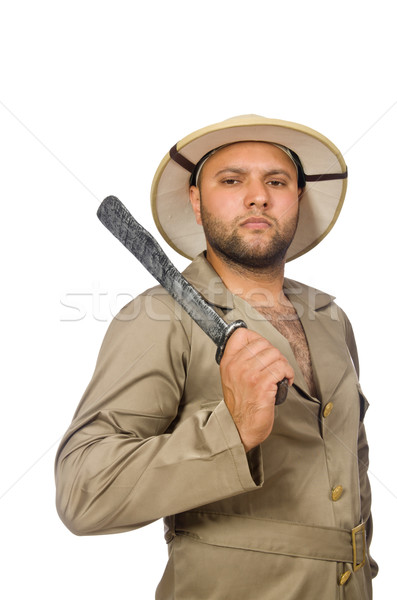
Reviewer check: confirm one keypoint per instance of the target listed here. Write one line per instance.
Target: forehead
(249, 155)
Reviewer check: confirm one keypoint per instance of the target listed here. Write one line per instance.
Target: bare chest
(288, 324)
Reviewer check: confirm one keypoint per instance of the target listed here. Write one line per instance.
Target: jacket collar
(206, 280)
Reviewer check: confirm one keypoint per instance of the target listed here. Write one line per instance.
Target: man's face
(248, 203)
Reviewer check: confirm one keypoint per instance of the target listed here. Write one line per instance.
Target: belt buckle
(359, 529)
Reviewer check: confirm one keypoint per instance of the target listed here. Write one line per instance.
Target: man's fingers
(268, 366)
(257, 354)
(271, 360)
(240, 340)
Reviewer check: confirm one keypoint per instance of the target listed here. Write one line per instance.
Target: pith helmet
(324, 169)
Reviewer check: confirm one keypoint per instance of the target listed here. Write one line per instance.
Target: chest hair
(288, 324)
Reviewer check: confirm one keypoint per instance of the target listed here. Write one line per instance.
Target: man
(259, 501)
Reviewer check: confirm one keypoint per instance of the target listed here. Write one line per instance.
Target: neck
(260, 287)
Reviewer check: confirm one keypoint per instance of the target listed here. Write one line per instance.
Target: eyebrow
(240, 171)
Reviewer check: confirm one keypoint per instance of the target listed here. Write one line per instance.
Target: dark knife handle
(282, 386)
(282, 391)
(231, 328)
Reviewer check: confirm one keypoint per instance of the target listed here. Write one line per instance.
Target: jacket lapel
(324, 335)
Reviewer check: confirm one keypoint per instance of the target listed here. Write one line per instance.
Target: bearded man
(259, 501)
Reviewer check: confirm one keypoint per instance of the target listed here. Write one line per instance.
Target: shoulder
(153, 310)
(315, 299)
(323, 303)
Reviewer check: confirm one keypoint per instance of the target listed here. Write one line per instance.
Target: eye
(276, 183)
(230, 181)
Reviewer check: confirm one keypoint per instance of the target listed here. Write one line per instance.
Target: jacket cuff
(249, 466)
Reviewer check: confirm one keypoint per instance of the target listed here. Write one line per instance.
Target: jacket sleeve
(127, 458)
(362, 445)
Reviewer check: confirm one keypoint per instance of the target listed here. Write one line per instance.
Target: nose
(257, 194)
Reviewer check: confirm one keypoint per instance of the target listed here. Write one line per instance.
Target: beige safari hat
(324, 169)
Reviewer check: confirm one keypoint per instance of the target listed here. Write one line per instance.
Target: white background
(92, 96)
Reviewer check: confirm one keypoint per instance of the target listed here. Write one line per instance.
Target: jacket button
(337, 493)
(344, 577)
(328, 409)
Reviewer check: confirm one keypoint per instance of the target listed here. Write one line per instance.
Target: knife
(119, 221)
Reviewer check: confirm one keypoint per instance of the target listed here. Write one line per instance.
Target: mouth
(256, 223)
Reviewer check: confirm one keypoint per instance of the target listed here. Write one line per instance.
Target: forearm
(111, 482)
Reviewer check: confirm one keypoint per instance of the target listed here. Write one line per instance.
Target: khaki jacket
(152, 438)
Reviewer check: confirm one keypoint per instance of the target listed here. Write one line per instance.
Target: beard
(263, 251)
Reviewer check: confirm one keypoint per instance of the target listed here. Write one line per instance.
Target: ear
(194, 195)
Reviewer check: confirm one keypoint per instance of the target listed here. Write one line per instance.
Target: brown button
(328, 409)
(344, 577)
(337, 493)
